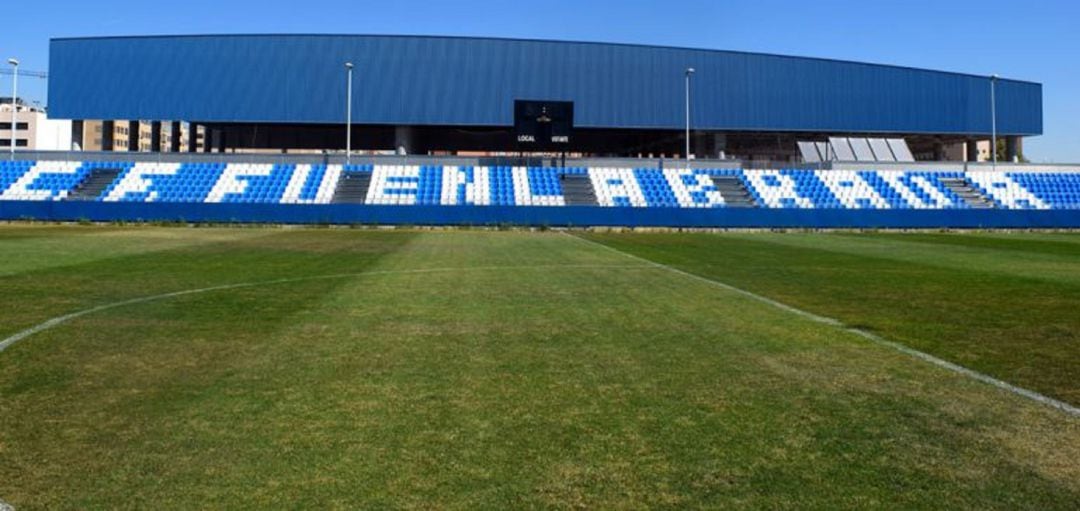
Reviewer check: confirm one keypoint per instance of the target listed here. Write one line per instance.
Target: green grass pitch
(505, 370)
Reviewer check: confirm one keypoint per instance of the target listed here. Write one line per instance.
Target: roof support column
(1012, 149)
(972, 150)
(718, 146)
(403, 139)
(133, 136)
(155, 136)
(108, 135)
(77, 135)
(174, 139)
(939, 150)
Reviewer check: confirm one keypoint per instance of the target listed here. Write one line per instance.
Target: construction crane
(22, 72)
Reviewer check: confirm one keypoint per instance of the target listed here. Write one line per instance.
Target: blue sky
(1037, 41)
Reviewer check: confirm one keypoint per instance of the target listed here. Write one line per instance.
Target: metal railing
(361, 159)
(530, 161)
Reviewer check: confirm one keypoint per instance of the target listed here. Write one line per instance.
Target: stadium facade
(465, 111)
(446, 95)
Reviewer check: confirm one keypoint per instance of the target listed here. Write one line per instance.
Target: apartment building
(140, 136)
(34, 131)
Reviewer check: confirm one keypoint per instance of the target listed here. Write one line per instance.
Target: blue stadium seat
(646, 187)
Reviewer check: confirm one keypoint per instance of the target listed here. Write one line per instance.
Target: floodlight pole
(14, 98)
(348, 112)
(689, 71)
(993, 118)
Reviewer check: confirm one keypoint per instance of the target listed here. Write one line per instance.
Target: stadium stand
(408, 185)
(1057, 190)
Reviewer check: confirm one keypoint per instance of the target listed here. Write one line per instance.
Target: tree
(1003, 152)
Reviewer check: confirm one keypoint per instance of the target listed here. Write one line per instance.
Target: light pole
(993, 118)
(14, 98)
(689, 71)
(348, 112)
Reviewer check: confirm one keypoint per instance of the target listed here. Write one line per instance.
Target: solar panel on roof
(881, 149)
(809, 152)
(900, 150)
(862, 149)
(825, 151)
(841, 149)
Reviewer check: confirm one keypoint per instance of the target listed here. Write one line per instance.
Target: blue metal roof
(424, 80)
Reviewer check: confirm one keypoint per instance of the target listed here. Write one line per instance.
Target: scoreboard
(543, 125)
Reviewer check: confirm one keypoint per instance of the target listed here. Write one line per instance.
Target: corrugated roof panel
(469, 81)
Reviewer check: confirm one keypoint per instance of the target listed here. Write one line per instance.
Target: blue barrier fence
(568, 216)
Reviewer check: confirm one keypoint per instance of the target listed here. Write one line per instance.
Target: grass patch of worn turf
(498, 380)
(1007, 305)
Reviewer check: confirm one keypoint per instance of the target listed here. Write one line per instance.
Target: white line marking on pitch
(1020, 391)
(59, 320)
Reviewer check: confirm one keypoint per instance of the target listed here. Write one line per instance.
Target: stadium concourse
(193, 187)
